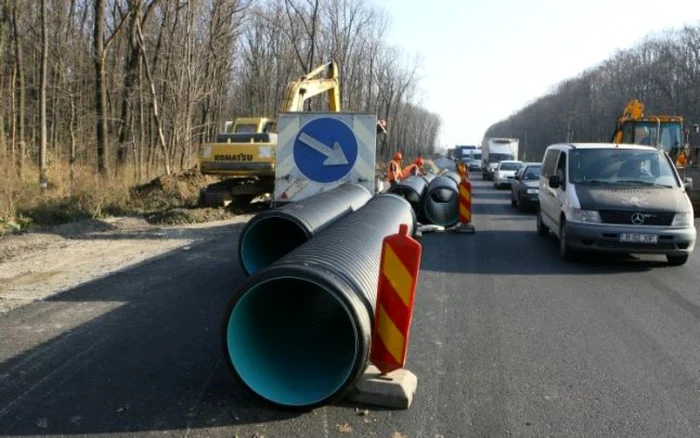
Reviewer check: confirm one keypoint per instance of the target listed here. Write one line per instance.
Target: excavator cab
(662, 132)
(665, 134)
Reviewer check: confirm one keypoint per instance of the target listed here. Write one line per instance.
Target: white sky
(485, 59)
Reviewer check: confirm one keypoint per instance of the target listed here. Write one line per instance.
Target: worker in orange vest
(681, 159)
(415, 168)
(462, 170)
(394, 173)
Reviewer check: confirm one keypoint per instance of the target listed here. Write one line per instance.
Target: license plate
(639, 238)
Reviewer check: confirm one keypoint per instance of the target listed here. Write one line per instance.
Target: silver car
(505, 172)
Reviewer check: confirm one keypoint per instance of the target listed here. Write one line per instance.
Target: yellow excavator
(244, 153)
(663, 132)
(668, 133)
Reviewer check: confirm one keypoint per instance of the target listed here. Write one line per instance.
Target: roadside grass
(164, 200)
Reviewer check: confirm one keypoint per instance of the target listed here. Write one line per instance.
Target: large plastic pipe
(412, 189)
(273, 233)
(298, 332)
(441, 200)
(428, 177)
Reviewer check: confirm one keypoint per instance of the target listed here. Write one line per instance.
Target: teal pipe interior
(292, 341)
(268, 240)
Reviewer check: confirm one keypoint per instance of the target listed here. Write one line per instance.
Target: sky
(483, 60)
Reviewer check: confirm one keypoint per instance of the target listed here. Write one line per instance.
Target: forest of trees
(138, 84)
(663, 72)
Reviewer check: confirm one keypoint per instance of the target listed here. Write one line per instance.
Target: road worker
(682, 158)
(462, 170)
(394, 171)
(415, 168)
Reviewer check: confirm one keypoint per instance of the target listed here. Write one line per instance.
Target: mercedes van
(615, 198)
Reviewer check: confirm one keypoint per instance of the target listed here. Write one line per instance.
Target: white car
(505, 172)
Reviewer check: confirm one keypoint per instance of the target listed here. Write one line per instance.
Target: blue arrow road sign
(325, 149)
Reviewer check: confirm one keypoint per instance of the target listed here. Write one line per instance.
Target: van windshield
(621, 166)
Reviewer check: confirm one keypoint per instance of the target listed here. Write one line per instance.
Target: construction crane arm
(633, 110)
(310, 85)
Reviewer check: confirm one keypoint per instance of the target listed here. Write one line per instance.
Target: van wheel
(677, 260)
(565, 252)
(542, 229)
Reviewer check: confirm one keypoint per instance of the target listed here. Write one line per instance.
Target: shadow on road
(481, 194)
(506, 252)
(136, 351)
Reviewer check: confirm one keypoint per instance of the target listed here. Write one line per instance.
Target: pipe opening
(292, 341)
(442, 195)
(268, 240)
(442, 207)
(408, 194)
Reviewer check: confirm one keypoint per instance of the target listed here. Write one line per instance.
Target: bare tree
(43, 166)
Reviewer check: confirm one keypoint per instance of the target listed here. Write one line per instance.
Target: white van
(615, 198)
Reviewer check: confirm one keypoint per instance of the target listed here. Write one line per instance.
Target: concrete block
(464, 228)
(430, 228)
(393, 390)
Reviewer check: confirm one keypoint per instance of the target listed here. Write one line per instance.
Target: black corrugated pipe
(441, 200)
(298, 332)
(273, 233)
(412, 189)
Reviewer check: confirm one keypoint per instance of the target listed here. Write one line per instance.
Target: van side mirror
(554, 181)
(688, 184)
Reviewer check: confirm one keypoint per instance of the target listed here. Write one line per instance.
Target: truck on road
(494, 150)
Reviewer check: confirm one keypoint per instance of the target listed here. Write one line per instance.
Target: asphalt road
(507, 340)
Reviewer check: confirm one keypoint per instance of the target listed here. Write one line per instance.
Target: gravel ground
(41, 263)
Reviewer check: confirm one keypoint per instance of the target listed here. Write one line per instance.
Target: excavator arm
(311, 85)
(633, 110)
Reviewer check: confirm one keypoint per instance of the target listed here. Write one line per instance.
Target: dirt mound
(168, 191)
(182, 216)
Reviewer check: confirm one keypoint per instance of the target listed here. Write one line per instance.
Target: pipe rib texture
(412, 189)
(273, 233)
(441, 200)
(298, 332)
(428, 177)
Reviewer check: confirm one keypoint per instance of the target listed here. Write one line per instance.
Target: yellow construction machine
(668, 133)
(663, 132)
(244, 153)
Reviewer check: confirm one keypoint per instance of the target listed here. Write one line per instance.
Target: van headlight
(684, 219)
(579, 215)
(532, 191)
(205, 151)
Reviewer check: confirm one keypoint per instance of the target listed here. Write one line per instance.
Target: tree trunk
(43, 165)
(100, 89)
(71, 128)
(154, 98)
(19, 66)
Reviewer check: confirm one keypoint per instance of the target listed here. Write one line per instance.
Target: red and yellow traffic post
(465, 206)
(465, 202)
(398, 276)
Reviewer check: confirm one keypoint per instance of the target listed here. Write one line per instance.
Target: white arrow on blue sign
(325, 149)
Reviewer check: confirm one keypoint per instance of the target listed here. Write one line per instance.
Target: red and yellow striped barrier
(465, 202)
(398, 275)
